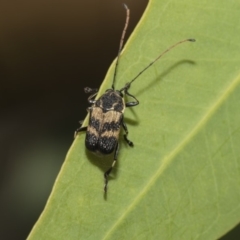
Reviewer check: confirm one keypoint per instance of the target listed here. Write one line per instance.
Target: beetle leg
(81, 129)
(131, 104)
(93, 92)
(91, 100)
(90, 90)
(106, 174)
(130, 143)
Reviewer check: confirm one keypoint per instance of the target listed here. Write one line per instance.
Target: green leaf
(182, 178)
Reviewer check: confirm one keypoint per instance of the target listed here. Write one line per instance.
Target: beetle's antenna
(167, 50)
(121, 42)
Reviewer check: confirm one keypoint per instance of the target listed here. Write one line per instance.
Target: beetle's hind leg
(106, 174)
(130, 143)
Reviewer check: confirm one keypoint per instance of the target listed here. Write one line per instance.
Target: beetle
(106, 113)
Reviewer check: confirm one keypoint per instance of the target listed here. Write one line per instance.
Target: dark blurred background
(49, 51)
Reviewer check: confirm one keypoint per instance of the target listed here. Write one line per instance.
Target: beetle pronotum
(106, 112)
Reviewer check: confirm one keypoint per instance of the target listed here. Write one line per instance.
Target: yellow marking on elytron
(112, 116)
(92, 130)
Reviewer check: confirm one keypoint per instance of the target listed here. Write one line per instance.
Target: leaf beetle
(106, 113)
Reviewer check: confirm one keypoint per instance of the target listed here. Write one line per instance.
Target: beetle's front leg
(93, 91)
(131, 104)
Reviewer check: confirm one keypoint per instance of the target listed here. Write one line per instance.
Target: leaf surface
(182, 178)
